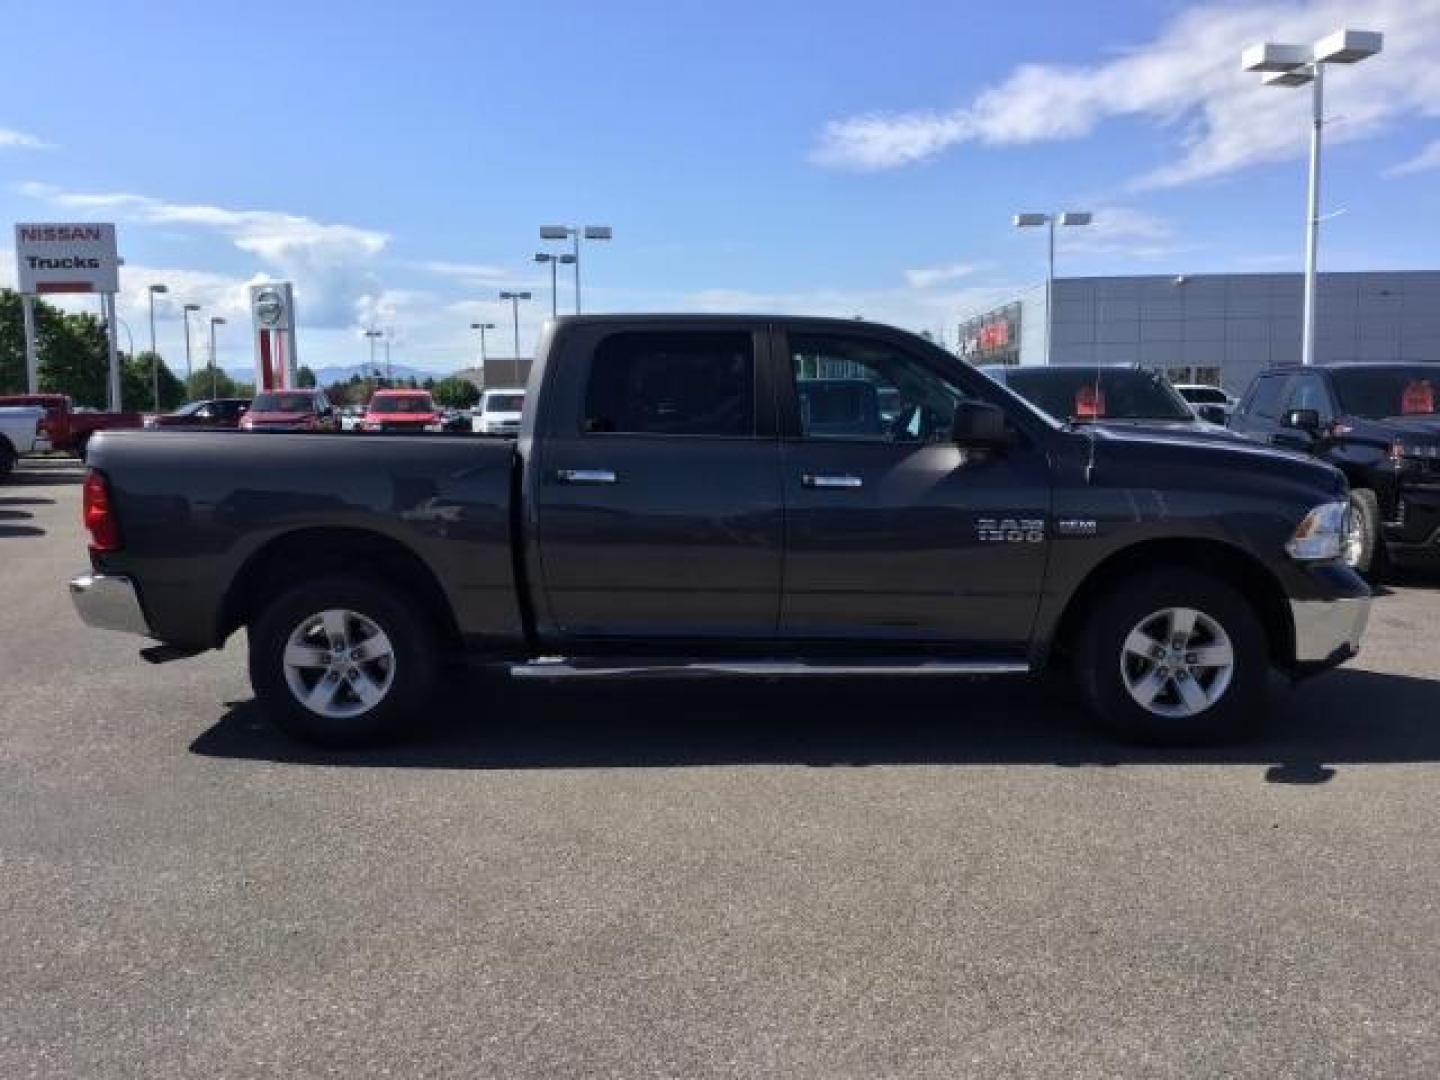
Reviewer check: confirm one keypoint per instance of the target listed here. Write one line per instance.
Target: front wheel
(342, 661)
(1363, 550)
(1174, 657)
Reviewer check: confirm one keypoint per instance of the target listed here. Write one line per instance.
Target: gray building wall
(1238, 323)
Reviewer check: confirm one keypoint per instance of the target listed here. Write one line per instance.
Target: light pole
(1296, 65)
(515, 298)
(215, 320)
(372, 335)
(1030, 221)
(554, 260)
(389, 374)
(482, 327)
(189, 370)
(573, 233)
(155, 356)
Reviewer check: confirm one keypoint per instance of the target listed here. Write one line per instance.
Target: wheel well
(309, 553)
(1242, 571)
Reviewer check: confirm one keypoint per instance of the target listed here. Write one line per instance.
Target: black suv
(1379, 425)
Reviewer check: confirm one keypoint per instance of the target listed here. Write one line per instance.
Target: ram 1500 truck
(687, 493)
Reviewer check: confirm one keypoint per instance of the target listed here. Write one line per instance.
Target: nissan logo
(269, 307)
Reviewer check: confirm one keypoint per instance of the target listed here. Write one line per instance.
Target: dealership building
(1214, 328)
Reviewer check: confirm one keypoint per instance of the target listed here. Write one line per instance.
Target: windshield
(505, 403)
(283, 403)
(1387, 391)
(1082, 393)
(408, 403)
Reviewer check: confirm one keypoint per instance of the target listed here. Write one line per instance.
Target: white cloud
(1427, 159)
(1188, 75)
(20, 140)
(927, 277)
(467, 273)
(331, 265)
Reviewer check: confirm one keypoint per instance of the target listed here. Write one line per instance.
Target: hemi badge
(1076, 527)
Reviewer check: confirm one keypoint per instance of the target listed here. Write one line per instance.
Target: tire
(374, 692)
(1364, 551)
(1230, 699)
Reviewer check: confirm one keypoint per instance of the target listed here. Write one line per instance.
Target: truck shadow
(853, 723)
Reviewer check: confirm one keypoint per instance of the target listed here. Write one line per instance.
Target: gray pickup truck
(730, 494)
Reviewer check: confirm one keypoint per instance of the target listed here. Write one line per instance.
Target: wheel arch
(301, 554)
(1247, 574)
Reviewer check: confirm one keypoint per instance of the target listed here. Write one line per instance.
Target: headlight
(1320, 534)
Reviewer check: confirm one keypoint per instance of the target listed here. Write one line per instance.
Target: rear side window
(672, 384)
(1264, 399)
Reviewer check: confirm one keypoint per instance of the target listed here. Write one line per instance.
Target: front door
(892, 531)
(658, 495)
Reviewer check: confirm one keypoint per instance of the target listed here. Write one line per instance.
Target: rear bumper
(1328, 632)
(109, 602)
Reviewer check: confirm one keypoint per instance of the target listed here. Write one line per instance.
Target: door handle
(815, 480)
(585, 476)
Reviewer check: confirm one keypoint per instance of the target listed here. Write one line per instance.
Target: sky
(395, 161)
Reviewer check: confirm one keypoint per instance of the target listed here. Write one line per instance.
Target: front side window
(1308, 392)
(857, 388)
(1386, 392)
(672, 383)
(1265, 398)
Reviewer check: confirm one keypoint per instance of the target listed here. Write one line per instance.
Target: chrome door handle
(585, 476)
(814, 480)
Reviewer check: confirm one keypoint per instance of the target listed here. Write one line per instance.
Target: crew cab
(1377, 423)
(670, 504)
(70, 429)
(22, 431)
(401, 410)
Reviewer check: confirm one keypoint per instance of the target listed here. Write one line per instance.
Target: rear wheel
(342, 661)
(1174, 657)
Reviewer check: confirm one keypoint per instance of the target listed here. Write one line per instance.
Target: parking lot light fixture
(515, 298)
(573, 233)
(482, 327)
(215, 320)
(372, 334)
(1035, 220)
(155, 356)
(189, 369)
(1283, 64)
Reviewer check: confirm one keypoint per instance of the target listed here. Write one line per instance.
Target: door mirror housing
(1306, 420)
(980, 425)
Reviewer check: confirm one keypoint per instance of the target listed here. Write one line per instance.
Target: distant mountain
(335, 373)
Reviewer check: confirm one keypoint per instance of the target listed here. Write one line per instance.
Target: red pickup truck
(69, 429)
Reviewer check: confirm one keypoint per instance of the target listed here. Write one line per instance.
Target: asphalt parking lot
(867, 879)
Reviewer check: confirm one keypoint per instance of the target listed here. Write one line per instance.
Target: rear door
(893, 533)
(656, 484)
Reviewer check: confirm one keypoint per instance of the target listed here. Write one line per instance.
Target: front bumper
(1328, 632)
(109, 602)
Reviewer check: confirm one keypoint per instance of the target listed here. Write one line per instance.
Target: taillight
(99, 514)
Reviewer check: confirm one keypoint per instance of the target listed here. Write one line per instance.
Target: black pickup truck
(729, 494)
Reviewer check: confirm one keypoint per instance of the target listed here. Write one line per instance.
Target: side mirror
(1306, 420)
(980, 425)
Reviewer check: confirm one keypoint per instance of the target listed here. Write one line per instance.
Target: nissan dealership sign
(66, 257)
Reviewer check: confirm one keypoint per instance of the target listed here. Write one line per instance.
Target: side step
(561, 667)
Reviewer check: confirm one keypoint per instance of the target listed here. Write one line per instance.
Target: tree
(340, 393)
(456, 393)
(71, 349)
(210, 382)
(137, 386)
(305, 378)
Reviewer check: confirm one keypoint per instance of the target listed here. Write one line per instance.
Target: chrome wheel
(1352, 548)
(1177, 662)
(339, 664)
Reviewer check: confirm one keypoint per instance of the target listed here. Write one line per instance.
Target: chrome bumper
(108, 603)
(1325, 629)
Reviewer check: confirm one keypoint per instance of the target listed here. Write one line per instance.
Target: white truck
(499, 412)
(22, 431)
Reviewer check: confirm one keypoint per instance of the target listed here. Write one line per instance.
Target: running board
(560, 667)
